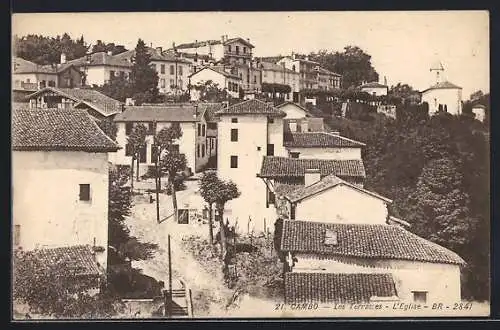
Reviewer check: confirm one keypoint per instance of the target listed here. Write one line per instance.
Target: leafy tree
(143, 77)
(172, 163)
(210, 91)
(47, 50)
(56, 289)
(224, 192)
(122, 246)
(108, 127)
(405, 93)
(208, 189)
(101, 46)
(118, 88)
(353, 64)
(136, 142)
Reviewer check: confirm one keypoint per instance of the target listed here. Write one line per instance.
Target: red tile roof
(210, 109)
(78, 257)
(58, 129)
(252, 107)
(275, 167)
(364, 241)
(102, 59)
(443, 85)
(337, 288)
(328, 182)
(159, 113)
(20, 65)
(318, 140)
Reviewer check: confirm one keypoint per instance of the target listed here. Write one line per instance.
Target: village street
(208, 289)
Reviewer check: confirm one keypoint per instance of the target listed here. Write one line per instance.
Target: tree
(210, 91)
(56, 289)
(353, 64)
(101, 46)
(136, 142)
(143, 77)
(122, 246)
(208, 189)
(224, 192)
(118, 88)
(405, 93)
(172, 163)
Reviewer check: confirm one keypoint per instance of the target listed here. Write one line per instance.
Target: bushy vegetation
(437, 172)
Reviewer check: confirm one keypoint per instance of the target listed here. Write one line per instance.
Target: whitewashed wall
(441, 281)
(46, 199)
(293, 111)
(208, 74)
(327, 153)
(342, 204)
(377, 90)
(451, 97)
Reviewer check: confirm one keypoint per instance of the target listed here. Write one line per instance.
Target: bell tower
(437, 72)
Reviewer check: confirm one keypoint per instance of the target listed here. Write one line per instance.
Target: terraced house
(60, 186)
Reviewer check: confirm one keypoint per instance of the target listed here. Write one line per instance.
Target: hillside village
(225, 158)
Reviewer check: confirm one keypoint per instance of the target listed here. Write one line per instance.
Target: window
(111, 74)
(172, 83)
(28, 80)
(203, 130)
(199, 129)
(293, 67)
(270, 150)
(180, 70)
(234, 134)
(172, 70)
(234, 120)
(244, 50)
(128, 128)
(180, 84)
(420, 296)
(52, 83)
(85, 192)
(229, 48)
(142, 153)
(162, 68)
(234, 161)
(292, 212)
(17, 234)
(203, 150)
(254, 79)
(237, 49)
(198, 151)
(43, 84)
(294, 154)
(162, 83)
(270, 120)
(272, 198)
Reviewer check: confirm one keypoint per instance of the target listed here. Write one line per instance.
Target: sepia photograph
(278, 165)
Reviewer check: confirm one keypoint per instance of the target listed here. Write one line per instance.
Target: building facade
(279, 74)
(375, 89)
(227, 80)
(64, 147)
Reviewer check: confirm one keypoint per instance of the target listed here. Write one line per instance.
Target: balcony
(238, 54)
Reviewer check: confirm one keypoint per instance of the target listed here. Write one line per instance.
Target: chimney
(385, 80)
(222, 38)
(293, 55)
(248, 40)
(311, 176)
(63, 58)
(159, 49)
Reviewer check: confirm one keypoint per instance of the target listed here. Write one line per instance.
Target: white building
(193, 143)
(293, 110)
(100, 67)
(375, 89)
(442, 95)
(60, 182)
(248, 131)
(224, 80)
(332, 199)
(321, 145)
(362, 263)
(273, 73)
(479, 111)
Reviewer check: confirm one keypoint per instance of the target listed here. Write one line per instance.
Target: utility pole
(158, 174)
(169, 296)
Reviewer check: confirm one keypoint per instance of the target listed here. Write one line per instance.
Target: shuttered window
(85, 192)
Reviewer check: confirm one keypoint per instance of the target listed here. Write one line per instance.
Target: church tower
(437, 71)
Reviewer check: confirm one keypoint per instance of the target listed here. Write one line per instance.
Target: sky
(403, 45)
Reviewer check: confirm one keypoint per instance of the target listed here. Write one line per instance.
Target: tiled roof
(283, 189)
(328, 72)
(217, 69)
(228, 41)
(79, 256)
(102, 58)
(443, 85)
(103, 104)
(363, 241)
(269, 59)
(155, 54)
(268, 66)
(210, 110)
(58, 129)
(20, 65)
(273, 166)
(252, 107)
(159, 113)
(478, 106)
(337, 288)
(329, 181)
(198, 44)
(373, 84)
(318, 140)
